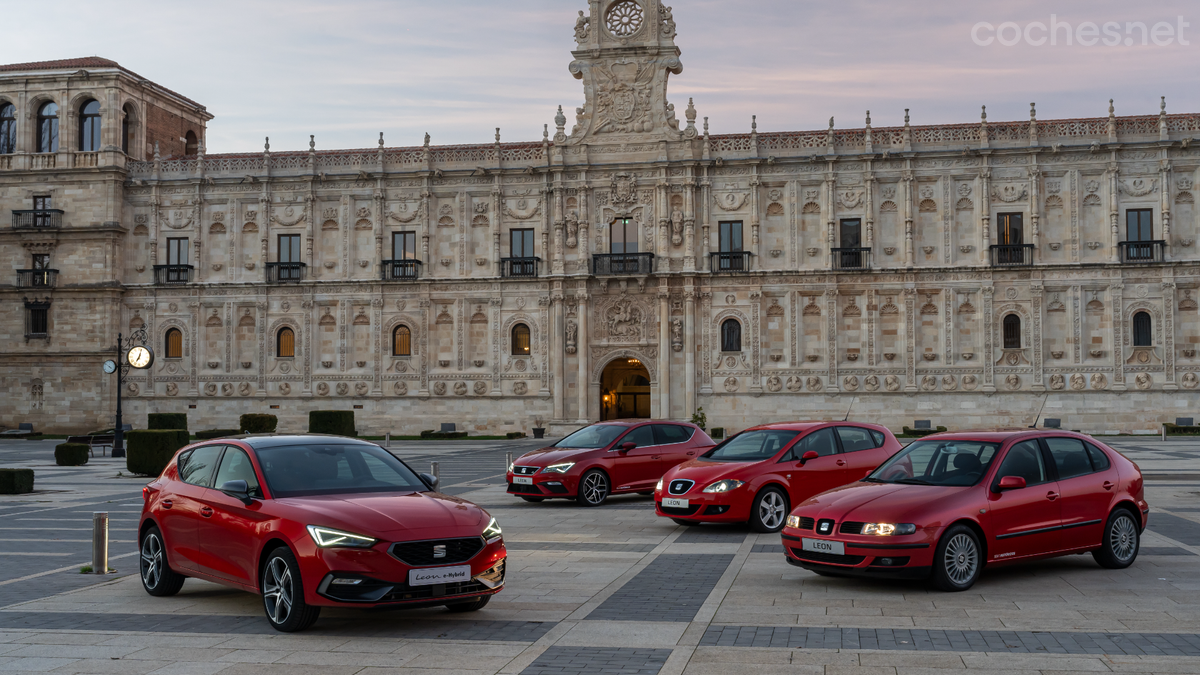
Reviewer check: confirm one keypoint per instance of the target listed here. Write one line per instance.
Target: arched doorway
(625, 390)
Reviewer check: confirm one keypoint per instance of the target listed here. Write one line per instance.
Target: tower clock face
(110, 366)
(140, 357)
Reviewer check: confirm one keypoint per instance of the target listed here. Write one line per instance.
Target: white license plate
(672, 503)
(439, 575)
(822, 546)
(522, 480)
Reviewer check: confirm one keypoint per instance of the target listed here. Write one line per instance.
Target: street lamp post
(126, 359)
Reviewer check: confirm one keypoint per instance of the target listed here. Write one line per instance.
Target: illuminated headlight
(559, 468)
(510, 467)
(492, 532)
(658, 486)
(793, 522)
(724, 485)
(326, 537)
(886, 529)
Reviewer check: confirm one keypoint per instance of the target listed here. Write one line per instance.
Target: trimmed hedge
(255, 423)
(1176, 430)
(515, 434)
(717, 433)
(71, 454)
(922, 432)
(16, 481)
(216, 433)
(335, 422)
(166, 421)
(147, 451)
(441, 435)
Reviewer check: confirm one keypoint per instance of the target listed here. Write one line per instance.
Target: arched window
(520, 340)
(731, 336)
(47, 128)
(89, 126)
(126, 129)
(8, 129)
(191, 145)
(1141, 330)
(285, 343)
(1012, 332)
(402, 341)
(174, 344)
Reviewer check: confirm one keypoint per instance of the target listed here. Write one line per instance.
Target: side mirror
(811, 454)
(238, 489)
(430, 480)
(627, 446)
(1010, 483)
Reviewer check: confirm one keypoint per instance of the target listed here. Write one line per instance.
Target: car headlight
(793, 522)
(327, 537)
(510, 467)
(559, 468)
(658, 486)
(887, 529)
(724, 485)
(492, 532)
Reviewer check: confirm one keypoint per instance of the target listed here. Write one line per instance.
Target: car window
(821, 441)
(752, 446)
(595, 436)
(855, 439)
(196, 467)
(1025, 460)
(332, 468)
(932, 462)
(1099, 458)
(879, 438)
(235, 465)
(665, 434)
(640, 436)
(1070, 457)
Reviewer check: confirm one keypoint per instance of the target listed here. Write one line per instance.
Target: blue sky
(459, 68)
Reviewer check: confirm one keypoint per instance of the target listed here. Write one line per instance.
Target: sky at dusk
(457, 69)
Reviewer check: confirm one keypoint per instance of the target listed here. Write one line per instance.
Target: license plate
(439, 575)
(822, 546)
(672, 503)
(522, 480)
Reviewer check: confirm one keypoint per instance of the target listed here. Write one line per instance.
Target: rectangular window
(37, 319)
(41, 203)
(1139, 225)
(730, 235)
(177, 251)
(851, 231)
(1008, 229)
(624, 236)
(289, 248)
(41, 261)
(404, 246)
(521, 243)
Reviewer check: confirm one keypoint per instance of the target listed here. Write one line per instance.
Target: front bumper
(544, 485)
(708, 507)
(903, 557)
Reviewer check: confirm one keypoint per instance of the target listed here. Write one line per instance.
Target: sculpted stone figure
(581, 27)
(891, 383)
(1143, 380)
(572, 337)
(677, 227)
(677, 335)
(1057, 382)
(1078, 382)
(1190, 380)
(871, 383)
(794, 383)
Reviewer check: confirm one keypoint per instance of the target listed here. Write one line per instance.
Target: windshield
(752, 446)
(950, 463)
(327, 469)
(595, 436)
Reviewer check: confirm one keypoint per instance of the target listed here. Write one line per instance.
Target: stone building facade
(627, 263)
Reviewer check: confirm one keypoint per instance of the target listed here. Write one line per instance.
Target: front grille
(525, 470)
(825, 526)
(421, 553)
(850, 527)
(806, 523)
(679, 487)
(670, 511)
(405, 592)
(828, 558)
(514, 489)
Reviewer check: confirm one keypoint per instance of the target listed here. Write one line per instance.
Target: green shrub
(166, 421)
(335, 422)
(71, 454)
(922, 432)
(256, 423)
(443, 435)
(699, 418)
(717, 433)
(147, 451)
(1176, 430)
(216, 433)
(16, 481)
(515, 434)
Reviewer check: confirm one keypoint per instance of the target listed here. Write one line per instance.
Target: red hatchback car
(315, 521)
(605, 459)
(950, 504)
(755, 475)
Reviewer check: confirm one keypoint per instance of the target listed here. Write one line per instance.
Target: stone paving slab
(610, 661)
(671, 588)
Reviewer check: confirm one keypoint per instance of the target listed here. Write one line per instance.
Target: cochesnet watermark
(1086, 34)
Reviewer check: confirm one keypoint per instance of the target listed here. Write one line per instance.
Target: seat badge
(439, 551)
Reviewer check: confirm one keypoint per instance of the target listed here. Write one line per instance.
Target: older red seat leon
(951, 504)
(755, 475)
(315, 521)
(607, 458)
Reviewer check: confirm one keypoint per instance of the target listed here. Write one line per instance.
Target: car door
(184, 505)
(1087, 491)
(229, 535)
(1024, 521)
(673, 445)
(816, 475)
(638, 467)
(859, 451)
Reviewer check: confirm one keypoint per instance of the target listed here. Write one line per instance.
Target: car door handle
(206, 511)
(841, 462)
(167, 503)
(1051, 496)
(691, 453)
(656, 457)
(1108, 485)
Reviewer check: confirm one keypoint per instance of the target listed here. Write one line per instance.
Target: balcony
(519, 268)
(1012, 255)
(172, 274)
(1142, 251)
(37, 219)
(37, 278)
(400, 270)
(607, 264)
(729, 262)
(285, 272)
(851, 258)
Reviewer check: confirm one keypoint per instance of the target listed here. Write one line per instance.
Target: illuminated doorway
(625, 390)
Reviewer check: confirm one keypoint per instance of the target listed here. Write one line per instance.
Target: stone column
(555, 344)
(1113, 212)
(1038, 311)
(689, 351)
(583, 350)
(1168, 333)
(989, 340)
(908, 224)
(985, 215)
(910, 336)
(664, 351)
(1118, 334)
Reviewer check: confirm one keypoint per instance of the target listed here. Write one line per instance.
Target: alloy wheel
(771, 509)
(277, 591)
(1122, 538)
(594, 487)
(152, 560)
(961, 559)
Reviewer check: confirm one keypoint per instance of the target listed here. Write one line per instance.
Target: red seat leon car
(756, 475)
(951, 504)
(315, 521)
(605, 459)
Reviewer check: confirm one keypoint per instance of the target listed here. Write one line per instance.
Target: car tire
(769, 510)
(957, 560)
(157, 576)
(283, 593)
(535, 500)
(1121, 542)
(593, 488)
(470, 606)
(685, 523)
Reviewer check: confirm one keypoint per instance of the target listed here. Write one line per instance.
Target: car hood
(704, 471)
(552, 455)
(889, 502)
(391, 516)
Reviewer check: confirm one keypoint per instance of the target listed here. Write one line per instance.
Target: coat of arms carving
(624, 189)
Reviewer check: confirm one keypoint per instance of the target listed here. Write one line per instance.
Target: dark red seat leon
(951, 504)
(315, 521)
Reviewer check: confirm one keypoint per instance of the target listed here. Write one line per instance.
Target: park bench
(95, 441)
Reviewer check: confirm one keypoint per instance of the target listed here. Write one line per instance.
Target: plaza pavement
(607, 590)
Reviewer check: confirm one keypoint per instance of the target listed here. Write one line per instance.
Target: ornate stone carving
(850, 383)
(794, 383)
(322, 388)
(401, 388)
(1143, 380)
(343, 388)
(480, 387)
(284, 389)
(1190, 380)
(891, 383)
(813, 383)
(172, 389)
(520, 388)
(969, 382)
(1099, 381)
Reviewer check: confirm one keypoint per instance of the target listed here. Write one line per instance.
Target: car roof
(999, 435)
(806, 425)
(630, 423)
(275, 440)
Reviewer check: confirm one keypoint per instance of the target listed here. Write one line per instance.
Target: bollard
(387, 440)
(1164, 433)
(434, 469)
(100, 542)
(508, 460)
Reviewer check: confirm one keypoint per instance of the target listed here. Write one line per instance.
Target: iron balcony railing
(1142, 251)
(43, 278)
(519, 268)
(729, 262)
(37, 219)
(285, 272)
(172, 274)
(622, 263)
(406, 269)
(1012, 255)
(851, 258)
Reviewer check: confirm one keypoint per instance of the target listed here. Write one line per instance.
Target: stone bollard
(508, 462)
(387, 440)
(434, 468)
(100, 542)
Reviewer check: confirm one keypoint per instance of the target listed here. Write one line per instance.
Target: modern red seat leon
(951, 504)
(754, 476)
(315, 521)
(604, 459)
